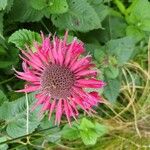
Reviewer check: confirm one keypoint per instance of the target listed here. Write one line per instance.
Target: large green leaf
(23, 36)
(80, 17)
(23, 11)
(18, 127)
(14, 113)
(121, 48)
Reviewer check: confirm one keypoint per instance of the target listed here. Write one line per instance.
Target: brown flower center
(57, 81)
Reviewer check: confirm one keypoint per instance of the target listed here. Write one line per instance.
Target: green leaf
(14, 113)
(101, 129)
(140, 14)
(71, 133)
(121, 48)
(111, 72)
(3, 97)
(114, 28)
(23, 11)
(3, 4)
(89, 131)
(101, 9)
(58, 6)
(24, 37)
(38, 4)
(5, 64)
(88, 137)
(12, 110)
(3, 146)
(135, 33)
(86, 124)
(18, 127)
(80, 17)
(112, 88)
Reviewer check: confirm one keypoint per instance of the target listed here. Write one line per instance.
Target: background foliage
(116, 33)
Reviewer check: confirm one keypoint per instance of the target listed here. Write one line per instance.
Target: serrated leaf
(80, 17)
(121, 48)
(90, 131)
(71, 133)
(23, 11)
(86, 124)
(12, 110)
(3, 4)
(111, 91)
(88, 137)
(22, 37)
(14, 113)
(18, 127)
(58, 6)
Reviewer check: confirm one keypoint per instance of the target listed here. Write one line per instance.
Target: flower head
(61, 76)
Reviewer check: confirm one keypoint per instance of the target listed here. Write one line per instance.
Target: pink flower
(60, 75)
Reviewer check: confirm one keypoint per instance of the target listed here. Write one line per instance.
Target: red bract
(60, 76)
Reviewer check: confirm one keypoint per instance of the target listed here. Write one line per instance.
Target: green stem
(121, 7)
(7, 80)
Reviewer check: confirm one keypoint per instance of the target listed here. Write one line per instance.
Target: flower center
(57, 81)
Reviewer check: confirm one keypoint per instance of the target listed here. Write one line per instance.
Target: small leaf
(88, 137)
(24, 37)
(71, 133)
(86, 124)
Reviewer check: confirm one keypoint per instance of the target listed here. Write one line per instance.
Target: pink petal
(81, 62)
(90, 83)
(52, 108)
(86, 73)
(29, 89)
(67, 111)
(58, 112)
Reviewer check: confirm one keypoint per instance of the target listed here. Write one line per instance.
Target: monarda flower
(60, 76)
